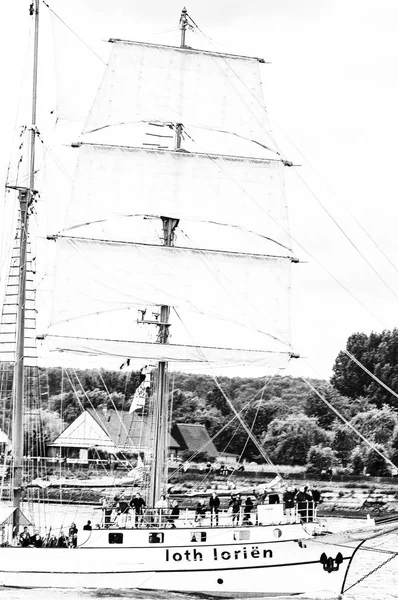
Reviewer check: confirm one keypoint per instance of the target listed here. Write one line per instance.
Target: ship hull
(258, 565)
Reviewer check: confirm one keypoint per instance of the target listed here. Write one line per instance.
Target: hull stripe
(171, 571)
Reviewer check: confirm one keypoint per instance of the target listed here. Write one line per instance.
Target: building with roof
(193, 437)
(96, 433)
(7, 520)
(100, 433)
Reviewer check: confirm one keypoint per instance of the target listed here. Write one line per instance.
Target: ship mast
(183, 26)
(161, 421)
(25, 198)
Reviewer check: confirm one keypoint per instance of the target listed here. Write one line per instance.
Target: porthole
(277, 533)
(156, 538)
(243, 534)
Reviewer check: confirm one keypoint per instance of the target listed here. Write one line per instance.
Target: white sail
(113, 183)
(227, 278)
(221, 300)
(153, 83)
(185, 356)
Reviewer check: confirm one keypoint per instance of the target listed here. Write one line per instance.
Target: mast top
(183, 25)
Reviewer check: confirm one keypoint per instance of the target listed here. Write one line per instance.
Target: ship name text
(193, 554)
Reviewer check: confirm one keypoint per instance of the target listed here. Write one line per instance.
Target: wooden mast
(160, 417)
(25, 197)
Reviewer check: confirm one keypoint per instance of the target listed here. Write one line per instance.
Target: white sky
(332, 94)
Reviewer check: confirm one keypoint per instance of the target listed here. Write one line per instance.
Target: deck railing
(162, 517)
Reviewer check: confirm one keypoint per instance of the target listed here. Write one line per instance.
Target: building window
(156, 538)
(115, 538)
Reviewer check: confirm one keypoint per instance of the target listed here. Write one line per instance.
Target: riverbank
(374, 496)
(357, 497)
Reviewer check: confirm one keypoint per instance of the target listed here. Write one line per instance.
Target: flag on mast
(142, 390)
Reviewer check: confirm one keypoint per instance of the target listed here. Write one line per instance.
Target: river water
(367, 580)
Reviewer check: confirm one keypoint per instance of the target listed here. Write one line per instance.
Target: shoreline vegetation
(294, 426)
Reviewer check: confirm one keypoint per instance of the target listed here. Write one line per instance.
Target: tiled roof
(124, 428)
(194, 437)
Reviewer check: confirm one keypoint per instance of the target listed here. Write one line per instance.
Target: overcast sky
(332, 94)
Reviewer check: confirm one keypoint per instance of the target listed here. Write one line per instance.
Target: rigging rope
(236, 413)
(394, 266)
(212, 438)
(268, 133)
(73, 32)
(300, 245)
(354, 429)
(345, 234)
(223, 280)
(327, 212)
(95, 409)
(389, 559)
(356, 361)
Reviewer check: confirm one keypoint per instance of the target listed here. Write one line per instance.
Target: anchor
(331, 564)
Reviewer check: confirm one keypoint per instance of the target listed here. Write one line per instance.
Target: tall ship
(173, 251)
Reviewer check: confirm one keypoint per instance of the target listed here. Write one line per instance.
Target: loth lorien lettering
(192, 554)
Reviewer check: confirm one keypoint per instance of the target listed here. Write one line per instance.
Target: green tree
(357, 460)
(70, 404)
(344, 441)
(316, 407)
(378, 352)
(321, 457)
(375, 464)
(40, 428)
(289, 440)
(217, 399)
(376, 425)
(394, 448)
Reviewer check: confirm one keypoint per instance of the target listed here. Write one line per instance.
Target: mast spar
(25, 198)
(161, 421)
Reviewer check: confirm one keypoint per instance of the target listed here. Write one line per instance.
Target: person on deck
(162, 509)
(273, 498)
(62, 540)
(107, 509)
(310, 499)
(234, 505)
(138, 505)
(174, 514)
(288, 500)
(302, 500)
(214, 505)
(200, 512)
(24, 538)
(247, 509)
(316, 497)
(87, 526)
(122, 507)
(36, 540)
(72, 540)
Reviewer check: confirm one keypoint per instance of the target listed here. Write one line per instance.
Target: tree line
(292, 423)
